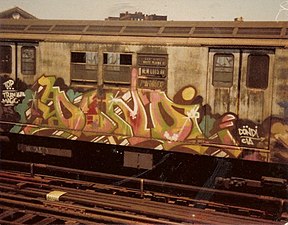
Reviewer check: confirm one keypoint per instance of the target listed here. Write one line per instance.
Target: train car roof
(185, 29)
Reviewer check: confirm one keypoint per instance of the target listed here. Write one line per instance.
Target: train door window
(28, 60)
(117, 68)
(223, 67)
(84, 66)
(5, 59)
(257, 71)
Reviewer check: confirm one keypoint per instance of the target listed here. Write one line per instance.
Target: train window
(78, 57)
(28, 60)
(223, 67)
(84, 66)
(258, 71)
(117, 68)
(5, 59)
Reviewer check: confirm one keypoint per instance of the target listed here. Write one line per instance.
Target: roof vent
(16, 16)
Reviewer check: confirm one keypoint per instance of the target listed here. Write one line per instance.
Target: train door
(240, 83)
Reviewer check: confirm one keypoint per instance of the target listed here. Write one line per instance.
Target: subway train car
(218, 89)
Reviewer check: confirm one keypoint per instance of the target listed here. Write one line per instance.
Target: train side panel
(279, 126)
(158, 97)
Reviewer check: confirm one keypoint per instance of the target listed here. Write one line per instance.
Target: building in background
(16, 13)
(137, 16)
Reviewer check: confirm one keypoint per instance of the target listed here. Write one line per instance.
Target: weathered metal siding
(255, 104)
(54, 58)
(280, 83)
(223, 100)
(187, 66)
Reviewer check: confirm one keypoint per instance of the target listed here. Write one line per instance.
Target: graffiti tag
(249, 135)
(10, 96)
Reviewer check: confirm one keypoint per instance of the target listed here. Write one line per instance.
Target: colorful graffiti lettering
(136, 117)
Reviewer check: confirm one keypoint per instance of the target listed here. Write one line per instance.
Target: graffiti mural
(137, 117)
(279, 140)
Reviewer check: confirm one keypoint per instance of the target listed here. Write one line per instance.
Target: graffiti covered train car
(207, 88)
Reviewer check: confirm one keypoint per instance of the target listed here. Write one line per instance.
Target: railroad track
(36, 198)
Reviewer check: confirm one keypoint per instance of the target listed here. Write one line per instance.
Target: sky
(184, 10)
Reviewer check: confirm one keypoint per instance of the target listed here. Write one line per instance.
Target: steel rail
(195, 195)
(153, 210)
(82, 194)
(45, 220)
(61, 210)
(196, 215)
(92, 211)
(227, 197)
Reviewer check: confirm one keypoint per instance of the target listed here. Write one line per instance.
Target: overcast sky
(175, 9)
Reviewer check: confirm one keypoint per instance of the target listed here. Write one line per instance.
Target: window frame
(221, 83)
(81, 69)
(31, 64)
(8, 64)
(121, 66)
(251, 81)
